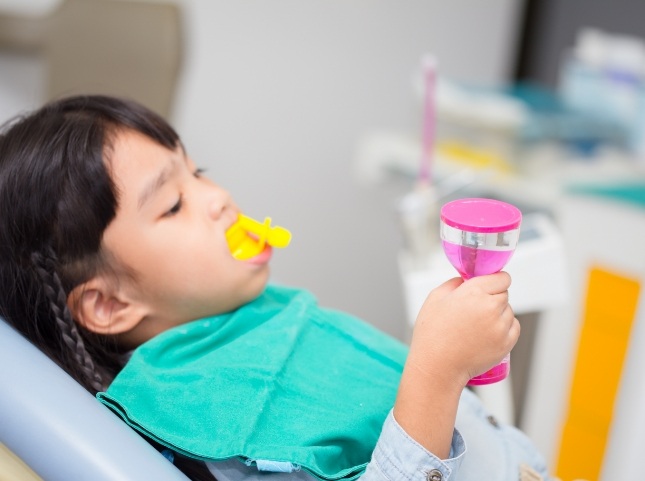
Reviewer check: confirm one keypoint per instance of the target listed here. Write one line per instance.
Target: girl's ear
(100, 307)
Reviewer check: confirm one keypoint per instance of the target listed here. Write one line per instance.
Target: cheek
(196, 262)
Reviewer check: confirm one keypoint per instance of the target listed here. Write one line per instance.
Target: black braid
(45, 266)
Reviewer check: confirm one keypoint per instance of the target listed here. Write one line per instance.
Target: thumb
(448, 286)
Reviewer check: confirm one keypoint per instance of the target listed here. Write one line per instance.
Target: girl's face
(170, 231)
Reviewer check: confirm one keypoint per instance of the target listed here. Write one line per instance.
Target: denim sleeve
(399, 457)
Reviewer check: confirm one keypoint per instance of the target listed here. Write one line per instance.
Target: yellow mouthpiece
(248, 237)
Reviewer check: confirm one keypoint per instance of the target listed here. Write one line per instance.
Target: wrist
(434, 368)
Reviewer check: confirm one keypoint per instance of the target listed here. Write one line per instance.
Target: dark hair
(56, 200)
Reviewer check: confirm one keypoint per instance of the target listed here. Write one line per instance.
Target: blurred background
(312, 113)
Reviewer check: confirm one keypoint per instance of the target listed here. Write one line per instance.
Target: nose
(219, 201)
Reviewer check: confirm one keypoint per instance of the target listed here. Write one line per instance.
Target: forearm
(419, 440)
(426, 408)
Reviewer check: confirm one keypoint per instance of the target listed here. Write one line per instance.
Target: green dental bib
(278, 380)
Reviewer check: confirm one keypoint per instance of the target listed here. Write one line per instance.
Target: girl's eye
(175, 208)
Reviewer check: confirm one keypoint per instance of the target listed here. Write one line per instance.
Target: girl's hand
(464, 328)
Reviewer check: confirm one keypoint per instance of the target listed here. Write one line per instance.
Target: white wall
(275, 96)
(273, 99)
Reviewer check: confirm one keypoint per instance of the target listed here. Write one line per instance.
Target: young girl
(112, 241)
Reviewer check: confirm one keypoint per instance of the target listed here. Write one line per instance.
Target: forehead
(131, 149)
(135, 160)
(132, 155)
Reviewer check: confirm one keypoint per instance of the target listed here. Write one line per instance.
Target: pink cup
(479, 237)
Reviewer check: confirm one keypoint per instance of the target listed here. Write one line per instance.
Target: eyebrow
(152, 187)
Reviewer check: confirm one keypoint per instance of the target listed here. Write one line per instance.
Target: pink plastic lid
(481, 215)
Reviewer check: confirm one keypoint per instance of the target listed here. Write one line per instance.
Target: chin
(257, 289)
(247, 291)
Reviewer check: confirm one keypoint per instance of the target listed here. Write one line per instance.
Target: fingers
(493, 283)
(514, 333)
(497, 283)
(501, 298)
(514, 326)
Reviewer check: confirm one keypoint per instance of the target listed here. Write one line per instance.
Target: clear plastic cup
(479, 237)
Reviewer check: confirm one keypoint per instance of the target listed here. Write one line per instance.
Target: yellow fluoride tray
(248, 237)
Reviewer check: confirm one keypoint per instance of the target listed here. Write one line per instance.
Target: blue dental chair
(61, 431)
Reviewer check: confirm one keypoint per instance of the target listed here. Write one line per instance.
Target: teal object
(632, 193)
(279, 380)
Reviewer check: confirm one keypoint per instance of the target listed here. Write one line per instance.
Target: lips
(262, 258)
